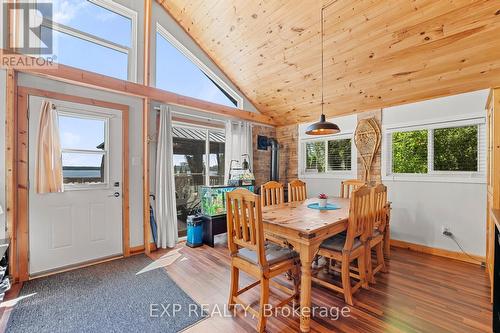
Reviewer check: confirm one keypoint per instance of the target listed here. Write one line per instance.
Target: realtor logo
(23, 28)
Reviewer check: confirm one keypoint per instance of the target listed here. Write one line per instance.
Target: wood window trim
(20, 223)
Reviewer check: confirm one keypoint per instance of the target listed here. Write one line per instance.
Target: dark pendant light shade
(322, 127)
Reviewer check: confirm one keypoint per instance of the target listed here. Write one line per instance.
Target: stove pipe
(274, 159)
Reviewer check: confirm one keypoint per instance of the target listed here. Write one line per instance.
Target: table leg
(306, 256)
(387, 241)
(305, 297)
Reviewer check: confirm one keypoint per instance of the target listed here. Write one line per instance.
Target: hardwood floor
(421, 293)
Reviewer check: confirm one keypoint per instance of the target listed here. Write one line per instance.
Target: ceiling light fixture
(322, 127)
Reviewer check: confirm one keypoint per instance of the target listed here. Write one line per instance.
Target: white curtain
(238, 143)
(166, 213)
(48, 162)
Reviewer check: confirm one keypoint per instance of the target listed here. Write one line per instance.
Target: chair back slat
(348, 186)
(380, 209)
(251, 223)
(360, 216)
(244, 223)
(297, 191)
(272, 194)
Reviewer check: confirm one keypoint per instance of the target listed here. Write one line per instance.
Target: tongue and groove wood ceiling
(378, 53)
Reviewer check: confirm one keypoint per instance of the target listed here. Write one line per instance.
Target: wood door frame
(21, 222)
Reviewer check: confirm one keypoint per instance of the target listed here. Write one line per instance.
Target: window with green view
(409, 152)
(315, 156)
(339, 155)
(456, 149)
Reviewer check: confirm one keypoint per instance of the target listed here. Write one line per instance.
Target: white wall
(135, 140)
(422, 208)
(3, 78)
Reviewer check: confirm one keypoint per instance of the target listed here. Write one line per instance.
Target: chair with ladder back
(348, 186)
(272, 194)
(377, 232)
(251, 254)
(297, 190)
(344, 249)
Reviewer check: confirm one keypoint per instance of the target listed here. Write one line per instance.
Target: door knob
(116, 195)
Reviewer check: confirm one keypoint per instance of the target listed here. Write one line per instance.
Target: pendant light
(322, 127)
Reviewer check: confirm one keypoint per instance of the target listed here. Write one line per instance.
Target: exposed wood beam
(97, 81)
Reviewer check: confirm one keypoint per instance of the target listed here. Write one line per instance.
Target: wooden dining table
(294, 224)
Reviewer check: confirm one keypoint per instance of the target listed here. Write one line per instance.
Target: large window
(84, 149)
(315, 156)
(198, 160)
(437, 150)
(83, 38)
(327, 156)
(409, 152)
(179, 71)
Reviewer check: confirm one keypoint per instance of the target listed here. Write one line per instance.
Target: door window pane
(315, 156)
(456, 149)
(339, 155)
(409, 152)
(216, 158)
(83, 168)
(84, 149)
(189, 146)
(81, 133)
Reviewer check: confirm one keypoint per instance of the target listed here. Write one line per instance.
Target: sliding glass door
(193, 167)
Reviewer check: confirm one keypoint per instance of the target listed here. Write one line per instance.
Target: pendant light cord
(322, 62)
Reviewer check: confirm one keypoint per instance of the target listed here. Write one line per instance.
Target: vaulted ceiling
(378, 53)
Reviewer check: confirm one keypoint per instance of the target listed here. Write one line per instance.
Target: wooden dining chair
(377, 232)
(297, 190)
(348, 186)
(250, 253)
(272, 193)
(346, 249)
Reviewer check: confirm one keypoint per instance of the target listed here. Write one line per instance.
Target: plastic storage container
(194, 231)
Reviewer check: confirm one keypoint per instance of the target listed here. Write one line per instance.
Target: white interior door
(84, 223)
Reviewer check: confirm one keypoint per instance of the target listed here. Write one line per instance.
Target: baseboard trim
(140, 249)
(473, 259)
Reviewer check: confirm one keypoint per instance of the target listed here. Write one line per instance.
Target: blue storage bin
(194, 231)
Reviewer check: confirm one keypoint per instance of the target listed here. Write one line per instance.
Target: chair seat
(274, 254)
(336, 243)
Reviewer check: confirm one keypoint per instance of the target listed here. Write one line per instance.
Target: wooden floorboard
(421, 293)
